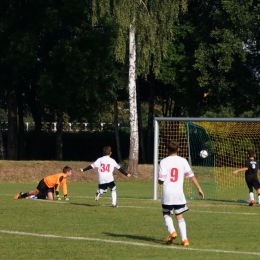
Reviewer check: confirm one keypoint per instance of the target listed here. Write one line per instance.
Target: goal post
(227, 141)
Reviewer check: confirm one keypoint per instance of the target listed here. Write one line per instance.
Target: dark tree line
(55, 65)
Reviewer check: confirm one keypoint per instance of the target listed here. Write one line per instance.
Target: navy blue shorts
(43, 188)
(178, 209)
(104, 186)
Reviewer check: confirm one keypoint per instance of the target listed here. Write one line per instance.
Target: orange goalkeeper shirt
(56, 180)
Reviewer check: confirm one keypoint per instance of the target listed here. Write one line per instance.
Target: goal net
(227, 141)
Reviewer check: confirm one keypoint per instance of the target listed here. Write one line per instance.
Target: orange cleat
(185, 242)
(171, 237)
(17, 196)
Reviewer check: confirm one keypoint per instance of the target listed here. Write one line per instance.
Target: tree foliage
(69, 58)
(152, 21)
(223, 58)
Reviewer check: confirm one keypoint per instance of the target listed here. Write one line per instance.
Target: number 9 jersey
(172, 171)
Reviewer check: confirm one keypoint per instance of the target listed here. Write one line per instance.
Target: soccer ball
(203, 154)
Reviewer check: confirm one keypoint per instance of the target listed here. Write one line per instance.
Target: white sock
(114, 197)
(258, 199)
(182, 228)
(169, 223)
(251, 195)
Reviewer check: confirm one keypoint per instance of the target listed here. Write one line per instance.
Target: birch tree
(144, 29)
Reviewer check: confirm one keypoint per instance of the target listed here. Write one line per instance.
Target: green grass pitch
(83, 228)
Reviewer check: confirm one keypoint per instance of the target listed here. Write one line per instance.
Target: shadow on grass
(83, 204)
(144, 238)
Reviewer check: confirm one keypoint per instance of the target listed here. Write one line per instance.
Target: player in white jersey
(106, 167)
(172, 171)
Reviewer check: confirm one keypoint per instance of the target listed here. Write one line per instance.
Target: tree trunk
(176, 111)
(134, 145)
(12, 123)
(21, 141)
(140, 124)
(37, 135)
(118, 147)
(2, 150)
(58, 152)
(150, 119)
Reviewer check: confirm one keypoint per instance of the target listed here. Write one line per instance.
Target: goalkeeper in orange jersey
(251, 169)
(49, 184)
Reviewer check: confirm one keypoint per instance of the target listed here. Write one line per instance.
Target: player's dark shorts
(178, 209)
(104, 186)
(43, 188)
(252, 181)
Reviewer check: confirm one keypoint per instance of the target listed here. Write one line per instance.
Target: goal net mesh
(227, 144)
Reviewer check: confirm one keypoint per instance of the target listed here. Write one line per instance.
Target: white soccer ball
(204, 154)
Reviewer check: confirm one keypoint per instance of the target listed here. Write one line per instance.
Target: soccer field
(83, 228)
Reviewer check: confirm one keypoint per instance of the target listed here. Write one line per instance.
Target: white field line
(128, 243)
(107, 196)
(199, 211)
(159, 208)
(142, 207)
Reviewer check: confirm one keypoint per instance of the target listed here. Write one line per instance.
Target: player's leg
(40, 187)
(167, 211)
(22, 195)
(249, 182)
(42, 196)
(97, 194)
(179, 210)
(258, 192)
(256, 185)
(102, 188)
(50, 194)
(32, 192)
(112, 187)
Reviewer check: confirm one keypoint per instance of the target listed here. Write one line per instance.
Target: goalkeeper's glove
(58, 195)
(66, 198)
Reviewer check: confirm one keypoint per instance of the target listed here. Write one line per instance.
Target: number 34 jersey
(105, 167)
(172, 171)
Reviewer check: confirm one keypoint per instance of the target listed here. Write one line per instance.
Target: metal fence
(67, 127)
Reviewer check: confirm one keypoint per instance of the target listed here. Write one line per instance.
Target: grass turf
(85, 229)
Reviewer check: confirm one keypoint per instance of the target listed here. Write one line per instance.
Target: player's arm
(196, 183)
(240, 170)
(124, 172)
(161, 175)
(65, 189)
(87, 168)
(57, 192)
(60, 181)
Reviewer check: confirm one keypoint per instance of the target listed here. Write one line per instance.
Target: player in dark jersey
(251, 169)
